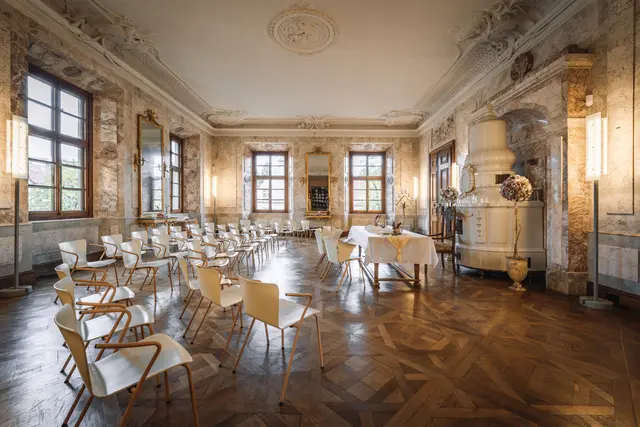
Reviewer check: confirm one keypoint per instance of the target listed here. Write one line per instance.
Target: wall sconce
(17, 165)
(137, 161)
(597, 141)
(164, 169)
(334, 180)
(302, 180)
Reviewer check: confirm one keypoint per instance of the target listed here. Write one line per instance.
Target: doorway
(440, 176)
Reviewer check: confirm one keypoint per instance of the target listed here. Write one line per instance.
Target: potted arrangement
(449, 197)
(516, 189)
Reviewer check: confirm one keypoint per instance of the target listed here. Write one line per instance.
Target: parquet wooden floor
(459, 352)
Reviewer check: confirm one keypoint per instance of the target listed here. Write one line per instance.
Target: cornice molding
(330, 132)
(482, 63)
(72, 32)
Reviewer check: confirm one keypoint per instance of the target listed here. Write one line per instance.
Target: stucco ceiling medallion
(303, 30)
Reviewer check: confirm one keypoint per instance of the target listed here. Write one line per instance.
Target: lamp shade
(17, 147)
(597, 147)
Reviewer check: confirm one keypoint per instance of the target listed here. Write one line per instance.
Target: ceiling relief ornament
(313, 123)
(303, 30)
(402, 117)
(226, 117)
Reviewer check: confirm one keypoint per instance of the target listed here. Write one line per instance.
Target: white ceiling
(388, 54)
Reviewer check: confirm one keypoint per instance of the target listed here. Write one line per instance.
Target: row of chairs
(111, 311)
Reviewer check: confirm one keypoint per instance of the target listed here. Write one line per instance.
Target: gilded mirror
(150, 164)
(318, 177)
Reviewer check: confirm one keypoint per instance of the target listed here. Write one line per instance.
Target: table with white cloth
(414, 249)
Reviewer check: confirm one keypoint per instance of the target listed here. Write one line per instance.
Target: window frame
(367, 178)
(270, 178)
(179, 169)
(57, 139)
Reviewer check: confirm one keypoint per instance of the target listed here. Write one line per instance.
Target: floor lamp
(17, 167)
(596, 166)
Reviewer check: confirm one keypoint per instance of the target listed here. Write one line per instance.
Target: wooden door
(441, 161)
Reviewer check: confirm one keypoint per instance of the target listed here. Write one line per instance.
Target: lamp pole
(597, 147)
(16, 153)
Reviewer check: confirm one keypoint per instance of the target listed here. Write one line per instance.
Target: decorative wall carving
(315, 123)
(444, 131)
(303, 30)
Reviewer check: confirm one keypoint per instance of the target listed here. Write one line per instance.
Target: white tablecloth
(377, 248)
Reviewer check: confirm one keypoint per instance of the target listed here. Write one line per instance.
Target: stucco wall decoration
(303, 30)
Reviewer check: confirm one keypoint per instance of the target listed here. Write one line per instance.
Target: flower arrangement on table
(516, 189)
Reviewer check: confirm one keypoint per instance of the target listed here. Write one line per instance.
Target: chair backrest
(245, 223)
(159, 231)
(305, 224)
(66, 290)
(78, 247)
(320, 242)
(209, 280)
(261, 300)
(331, 246)
(233, 225)
(161, 240)
(135, 247)
(140, 235)
(221, 228)
(115, 240)
(63, 270)
(66, 322)
(184, 269)
(276, 227)
(209, 227)
(175, 228)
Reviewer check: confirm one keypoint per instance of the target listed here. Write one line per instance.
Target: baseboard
(26, 278)
(619, 298)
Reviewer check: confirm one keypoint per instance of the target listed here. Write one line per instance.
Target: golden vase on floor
(517, 269)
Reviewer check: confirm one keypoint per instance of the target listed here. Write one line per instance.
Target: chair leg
(84, 410)
(115, 273)
(293, 352)
(325, 273)
(344, 273)
(266, 332)
(226, 346)
(130, 277)
(187, 301)
(73, 407)
(65, 364)
(192, 392)
(244, 345)
(123, 421)
(282, 338)
(319, 262)
(192, 317)
(167, 391)
(319, 342)
(201, 322)
(155, 293)
(170, 278)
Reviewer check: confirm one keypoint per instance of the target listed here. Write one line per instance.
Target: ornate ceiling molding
(488, 46)
(303, 30)
(313, 123)
(402, 118)
(225, 117)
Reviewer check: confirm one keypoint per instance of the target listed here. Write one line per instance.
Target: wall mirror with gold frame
(150, 164)
(318, 178)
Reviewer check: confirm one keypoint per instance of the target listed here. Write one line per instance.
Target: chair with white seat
(305, 225)
(197, 233)
(74, 254)
(338, 252)
(270, 232)
(106, 325)
(245, 223)
(162, 250)
(131, 365)
(160, 231)
(132, 258)
(143, 237)
(205, 256)
(245, 249)
(210, 228)
(221, 228)
(223, 293)
(321, 249)
(262, 302)
(112, 293)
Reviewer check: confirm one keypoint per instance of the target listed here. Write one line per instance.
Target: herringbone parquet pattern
(459, 352)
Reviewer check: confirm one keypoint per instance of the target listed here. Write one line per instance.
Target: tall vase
(517, 267)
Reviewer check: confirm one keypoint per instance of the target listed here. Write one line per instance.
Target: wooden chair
(74, 254)
(132, 258)
(132, 365)
(445, 240)
(262, 302)
(339, 252)
(111, 293)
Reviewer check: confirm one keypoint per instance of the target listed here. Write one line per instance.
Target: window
(175, 161)
(367, 182)
(59, 148)
(270, 184)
